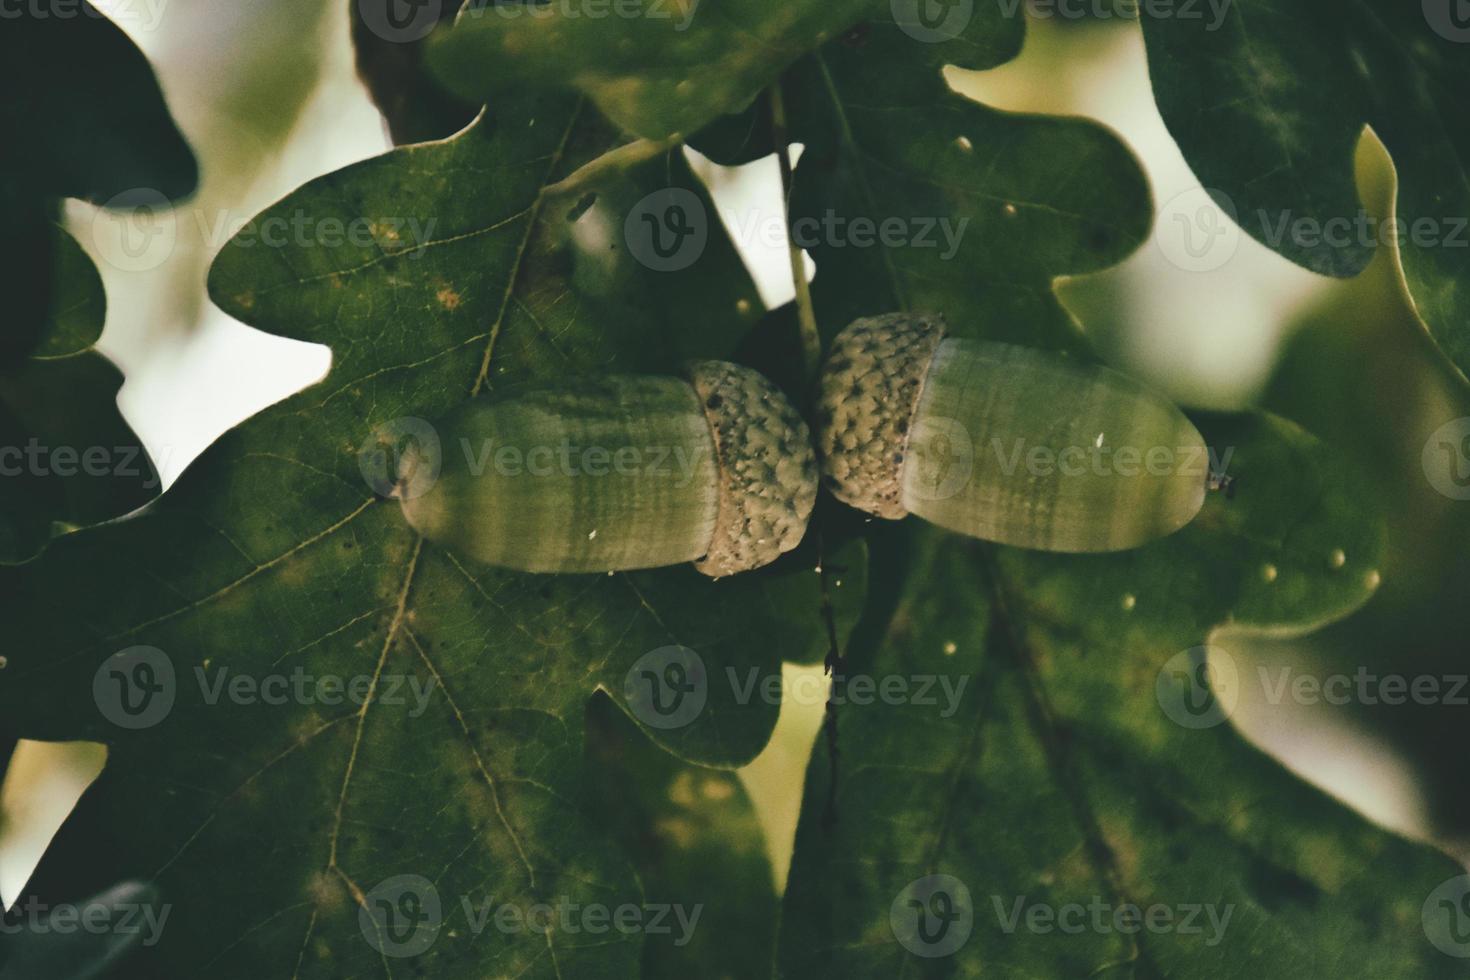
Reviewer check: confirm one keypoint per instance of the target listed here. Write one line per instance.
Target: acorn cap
(871, 385)
(767, 469)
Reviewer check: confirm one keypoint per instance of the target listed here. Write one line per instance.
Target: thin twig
(834, 666)
(624, 157)
(811, 349)
(811, 341)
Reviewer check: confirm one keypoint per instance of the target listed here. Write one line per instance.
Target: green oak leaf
(74, 321)
(59, 947)
(657, 68)
(1270, 122)
(1085, 763)
(29, 269)
(909, 196)
(83, 114)
(389, 61)
(307, 838)
(67, 457)
(697, 843)
(1056, 775)
(83, 117)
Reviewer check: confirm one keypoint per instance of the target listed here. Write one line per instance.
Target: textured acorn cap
(871, 385)
(767, 469)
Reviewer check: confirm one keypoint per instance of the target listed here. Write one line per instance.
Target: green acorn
(1005, 443)
(621, 473)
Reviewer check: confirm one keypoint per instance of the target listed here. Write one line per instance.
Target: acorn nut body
(622, 473)
(1005, 443)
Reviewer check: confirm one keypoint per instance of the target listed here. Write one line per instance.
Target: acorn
(1005, 443)
(620, 473)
